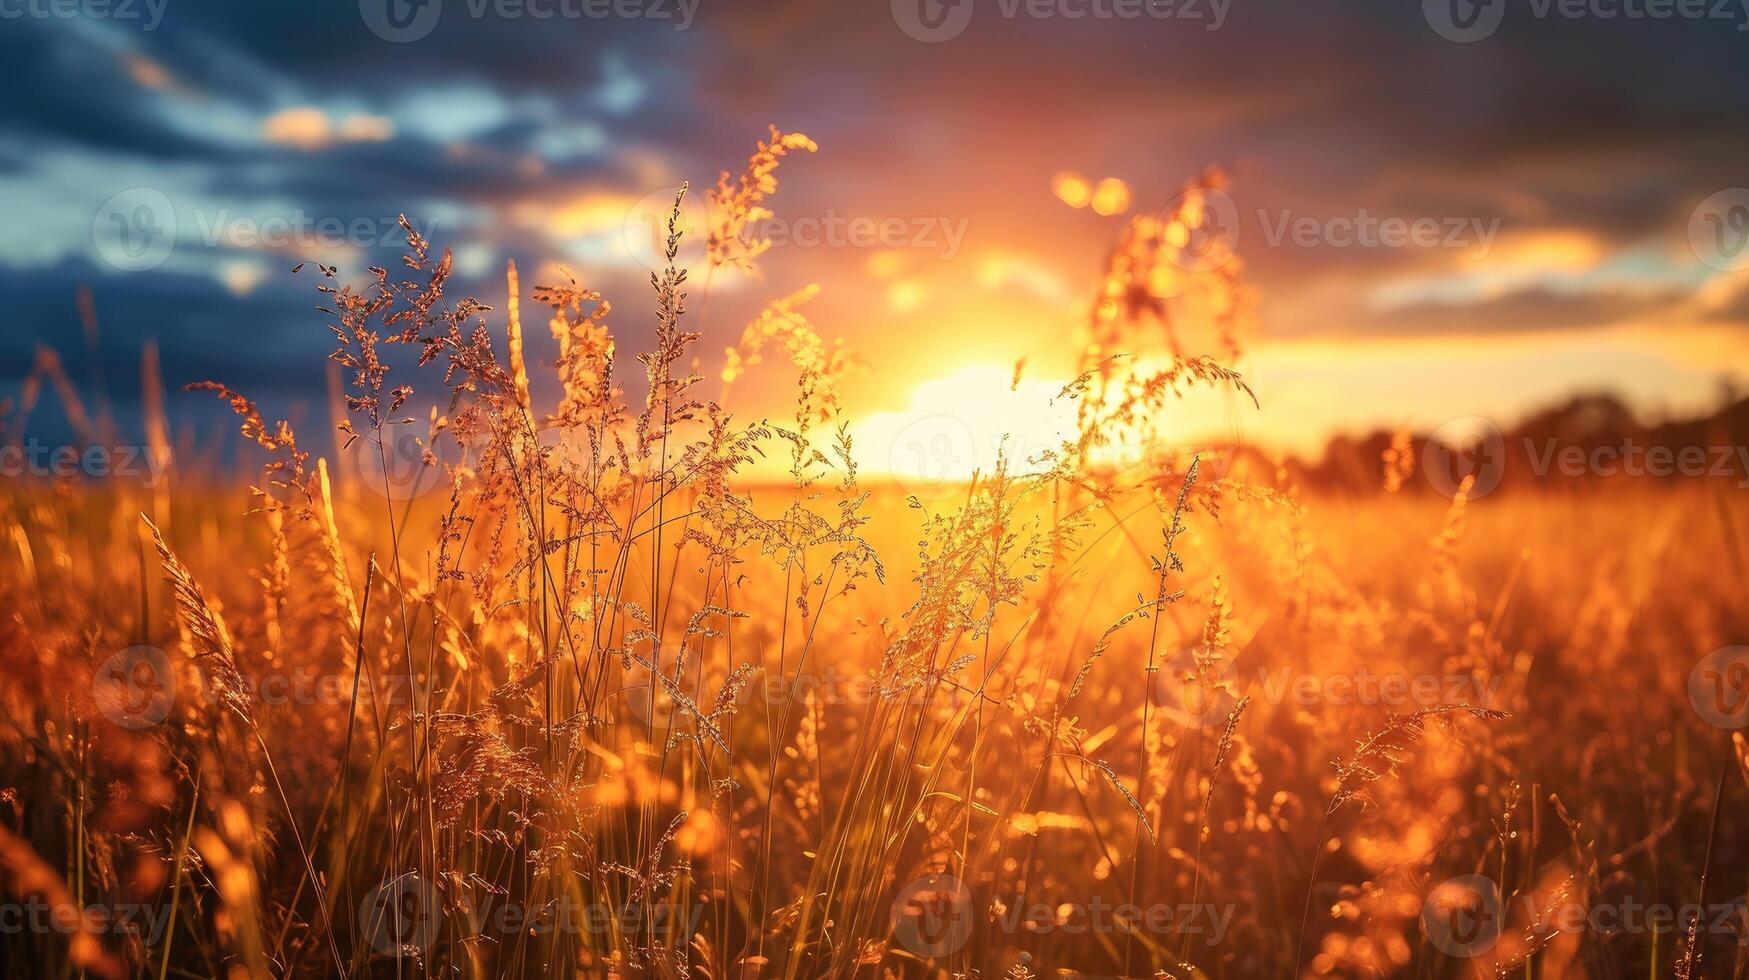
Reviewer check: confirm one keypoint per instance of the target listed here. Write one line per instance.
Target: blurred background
(1447, 209)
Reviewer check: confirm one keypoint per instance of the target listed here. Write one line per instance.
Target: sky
(1447, 209)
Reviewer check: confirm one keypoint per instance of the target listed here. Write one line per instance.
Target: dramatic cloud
(256, 136)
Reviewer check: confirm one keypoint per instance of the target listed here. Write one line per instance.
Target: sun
(959, 425)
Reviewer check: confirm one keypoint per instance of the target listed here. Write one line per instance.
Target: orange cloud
(146, 72)
(310, 128)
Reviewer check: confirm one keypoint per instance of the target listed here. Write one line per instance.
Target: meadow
(562, 690)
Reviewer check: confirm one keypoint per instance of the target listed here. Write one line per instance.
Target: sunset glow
(895, 490)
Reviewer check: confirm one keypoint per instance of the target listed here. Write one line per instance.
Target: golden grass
(599, 706)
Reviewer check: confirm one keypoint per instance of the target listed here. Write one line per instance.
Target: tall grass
(602, 705)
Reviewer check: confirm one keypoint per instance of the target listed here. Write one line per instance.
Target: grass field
(598, 705)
